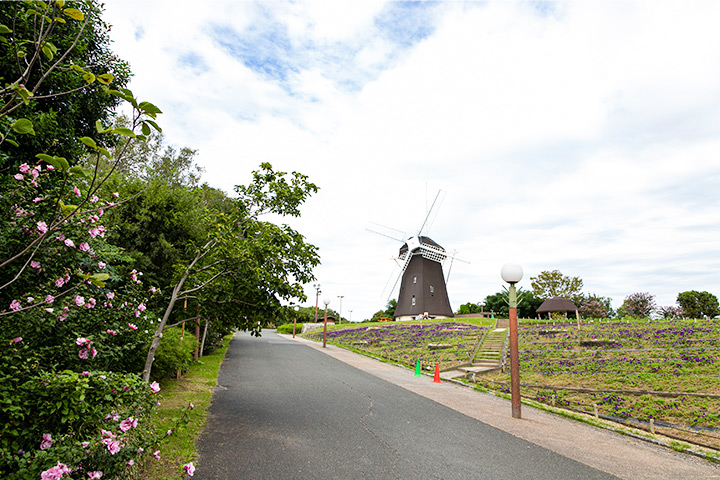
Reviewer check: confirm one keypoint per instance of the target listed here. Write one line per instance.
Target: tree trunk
(202, 344)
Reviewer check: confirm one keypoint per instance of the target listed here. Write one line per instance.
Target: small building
(558, 304)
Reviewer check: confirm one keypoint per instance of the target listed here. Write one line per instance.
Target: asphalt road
(285, 411)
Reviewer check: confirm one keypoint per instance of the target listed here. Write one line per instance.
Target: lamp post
(350, 317)
(326, 302)
(295, 319)
(340, 314)
(512, 274)
(316, 286)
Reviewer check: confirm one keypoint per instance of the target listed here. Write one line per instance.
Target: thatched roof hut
(557, 304)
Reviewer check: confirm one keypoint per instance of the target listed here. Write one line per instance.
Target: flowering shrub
(638, 305)
(593, 309)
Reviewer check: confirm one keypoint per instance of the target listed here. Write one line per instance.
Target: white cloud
(580, 136)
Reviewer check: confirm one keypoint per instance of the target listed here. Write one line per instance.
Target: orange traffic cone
(437, 374)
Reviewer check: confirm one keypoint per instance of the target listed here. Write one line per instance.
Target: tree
(53, 49)
(550, 284)
(698, 304)
(467, 308)
(527, 303)
(245, 266)
(638, 305)
(595, 306)
(389, 311)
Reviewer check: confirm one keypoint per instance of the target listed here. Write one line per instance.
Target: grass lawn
(196, 387)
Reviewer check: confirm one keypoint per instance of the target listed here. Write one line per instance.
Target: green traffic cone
(417, 369)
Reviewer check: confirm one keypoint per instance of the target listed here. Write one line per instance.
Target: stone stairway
(489, 355)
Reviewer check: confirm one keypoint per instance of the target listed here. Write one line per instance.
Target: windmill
(423, 286)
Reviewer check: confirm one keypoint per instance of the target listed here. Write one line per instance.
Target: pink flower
(24, 168)
(93, 352)
(113, 447)
(84, 247)
(59, 282)
(169, 432)
(84, 354)
(102, 265)
(94, 199)
(156, 454)
(79, 301)
(155, 387)
(115, 195)
(35, 264)
(37, 199)
(85, 374)
(35, 172)
(94, 232)
(142, 307)
(15, 306)
(49, 310)
(137, 314)
(46, 441)
(50, 167)
(91, 303)
(18, 176)
(82, 341)
(134, 422)
(189, 469)
(132, 326)
(55, 473)
(126, 425)
(153, 290)
(16, 340)
(131, 462)
(95, 475)
(42, 227)
(111, 332)
(140, 450)
(85, 444)
(49, 299)
(69, 243)
(192, 406)
(76, 191)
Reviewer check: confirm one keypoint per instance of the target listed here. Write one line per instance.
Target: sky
(580, 136)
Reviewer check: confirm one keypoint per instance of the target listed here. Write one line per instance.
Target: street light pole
(326, 302)
(317, 296)
(295, 319)
(512, 274)
(340, 315)
(350, 317)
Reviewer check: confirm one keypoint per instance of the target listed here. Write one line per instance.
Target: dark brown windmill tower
(423, 288)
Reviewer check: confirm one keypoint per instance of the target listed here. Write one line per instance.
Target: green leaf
(124, 131)
(155, 125)
(67, 209)
(89, 77)
(105, 78)
(12, 142)
(100, 277)
(104, 152)
(89, 141)
(80, 172)
(145, 129)
(4, 29)
(23, 126)
(60, 3)
(49, 50)
(21, 53)
(99, 126)
(64, 165)
(78, 68)
(149, 109)
(74, 13)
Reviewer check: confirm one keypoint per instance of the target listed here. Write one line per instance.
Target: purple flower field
(618, 362)
(407, 342)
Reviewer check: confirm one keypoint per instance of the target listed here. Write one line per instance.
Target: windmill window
(413, 300)
(414, 279)
(432, 289)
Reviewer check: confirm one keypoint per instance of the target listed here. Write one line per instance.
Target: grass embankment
(448, 343)
(196, 387)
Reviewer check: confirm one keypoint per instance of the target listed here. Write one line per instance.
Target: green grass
(196, 387)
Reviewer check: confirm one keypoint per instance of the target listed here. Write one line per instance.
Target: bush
(288, 328)
(174, 353)
(90, 422)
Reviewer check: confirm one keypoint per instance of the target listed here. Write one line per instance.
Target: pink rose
(155, 387)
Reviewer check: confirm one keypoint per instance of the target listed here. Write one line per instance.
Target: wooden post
(652, 426)
(202, 344)
(197, 333)
(597, 417)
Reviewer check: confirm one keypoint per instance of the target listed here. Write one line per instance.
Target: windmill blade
(408, 257)
(435, 211)
(429, 212)
(385, 235)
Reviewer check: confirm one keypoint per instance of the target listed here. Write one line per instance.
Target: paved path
(603, 450)
(289, 409)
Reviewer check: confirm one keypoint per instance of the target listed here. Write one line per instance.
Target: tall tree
(245, 266)
(638, 305)
(549, 284)
(698, 304)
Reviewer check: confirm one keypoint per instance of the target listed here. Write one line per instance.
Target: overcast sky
(580, 136)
